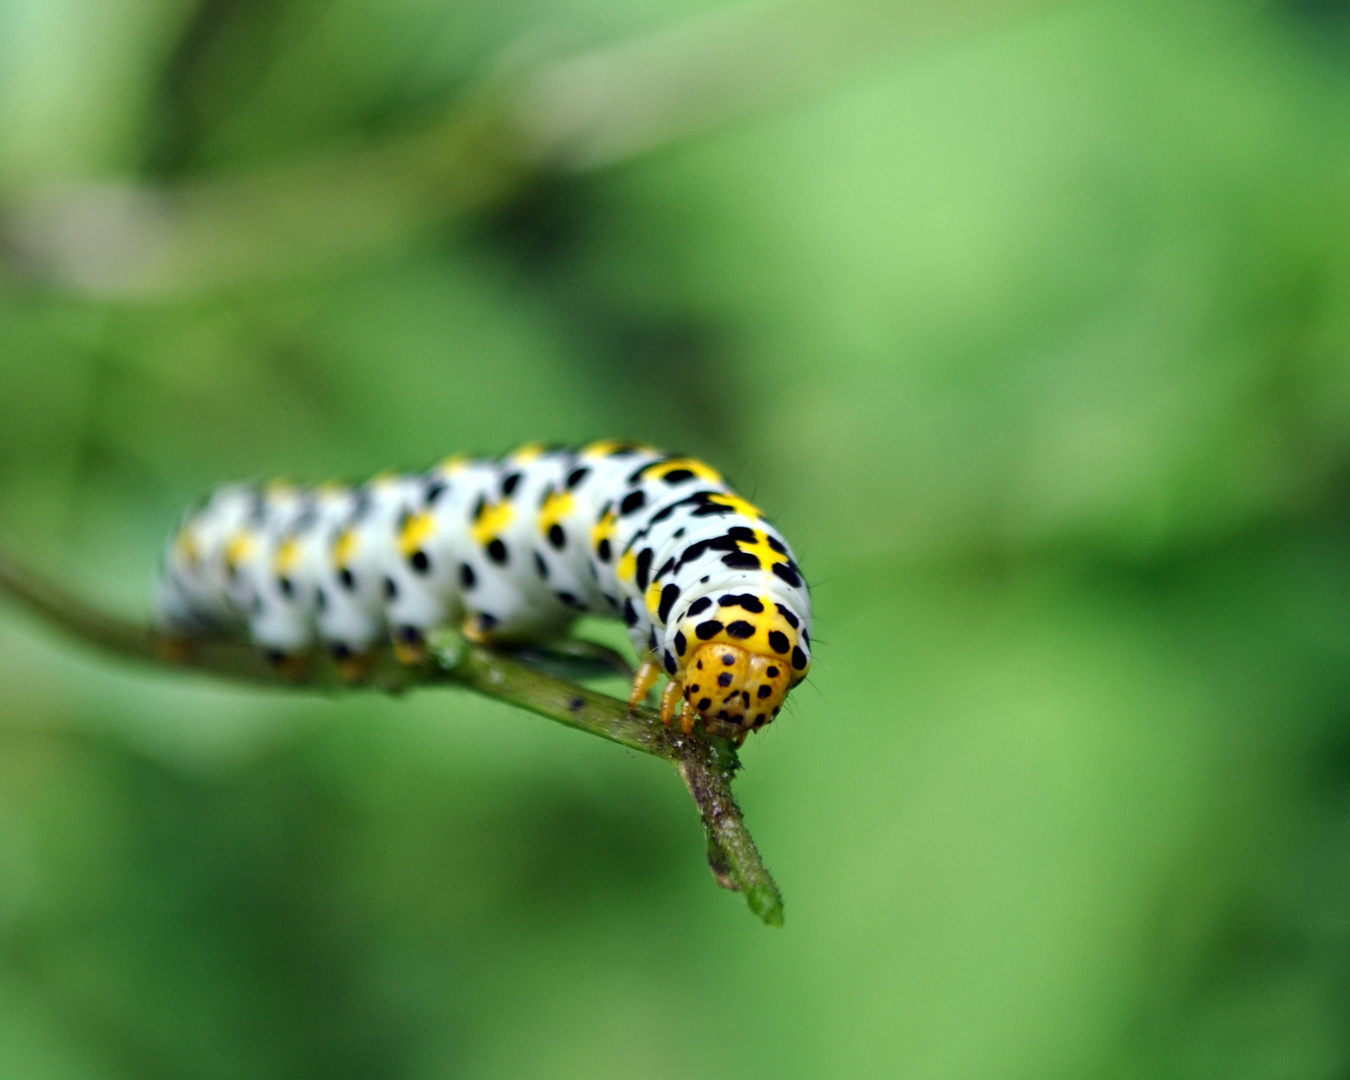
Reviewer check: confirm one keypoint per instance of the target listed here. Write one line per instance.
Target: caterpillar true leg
(289, 667)
(173, 649)
(353, 669)
(643, 682)
(410, 647)
(474, 630)
(671, 701)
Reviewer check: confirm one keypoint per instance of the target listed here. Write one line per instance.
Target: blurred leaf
(1081, 281)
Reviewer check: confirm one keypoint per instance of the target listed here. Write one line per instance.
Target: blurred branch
(574, 115)
(130, 242)
(706, 763)
(611, 104)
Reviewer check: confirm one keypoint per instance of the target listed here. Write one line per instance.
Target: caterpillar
(512, 550)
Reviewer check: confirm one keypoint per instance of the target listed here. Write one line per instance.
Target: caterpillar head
(739, 653)
(734, 690)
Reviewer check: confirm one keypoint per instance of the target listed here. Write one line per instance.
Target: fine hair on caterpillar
(512, 550)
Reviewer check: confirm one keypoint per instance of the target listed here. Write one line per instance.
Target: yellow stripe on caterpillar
(414, 533)
(759, 547)
(659, 470)
(604, 530)
(344, 548)
(283, 562)
(523, 455)
(186, 547)
(491, 522)
(454, 463)
(606, 447)
(739, 505)
(557, 506)
(238, 550)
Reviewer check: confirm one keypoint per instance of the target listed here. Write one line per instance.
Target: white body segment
(191, 594)
(354, 583)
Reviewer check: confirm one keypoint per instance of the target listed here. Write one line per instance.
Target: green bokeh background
(1035, 339)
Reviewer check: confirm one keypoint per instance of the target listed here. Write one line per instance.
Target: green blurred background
(1030, 326)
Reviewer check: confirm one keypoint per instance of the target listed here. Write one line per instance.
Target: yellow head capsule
(734, 690)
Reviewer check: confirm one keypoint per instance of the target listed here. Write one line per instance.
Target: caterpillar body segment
(431, 542)
(357, 586)
(577, 526)
(282, 574)
(510, 598)
(512, 550)
(191, 595)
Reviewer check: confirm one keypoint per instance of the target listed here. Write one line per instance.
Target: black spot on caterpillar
(644, 567)
(669, 595)
(745, 600)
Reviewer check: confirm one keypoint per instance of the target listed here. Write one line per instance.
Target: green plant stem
(706, 763)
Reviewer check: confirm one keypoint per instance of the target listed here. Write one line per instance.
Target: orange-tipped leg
(293, 667)
(173, 650)
(475, 630)
(643, 681)
(671, 700)
(409, 646)
(354, 668)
